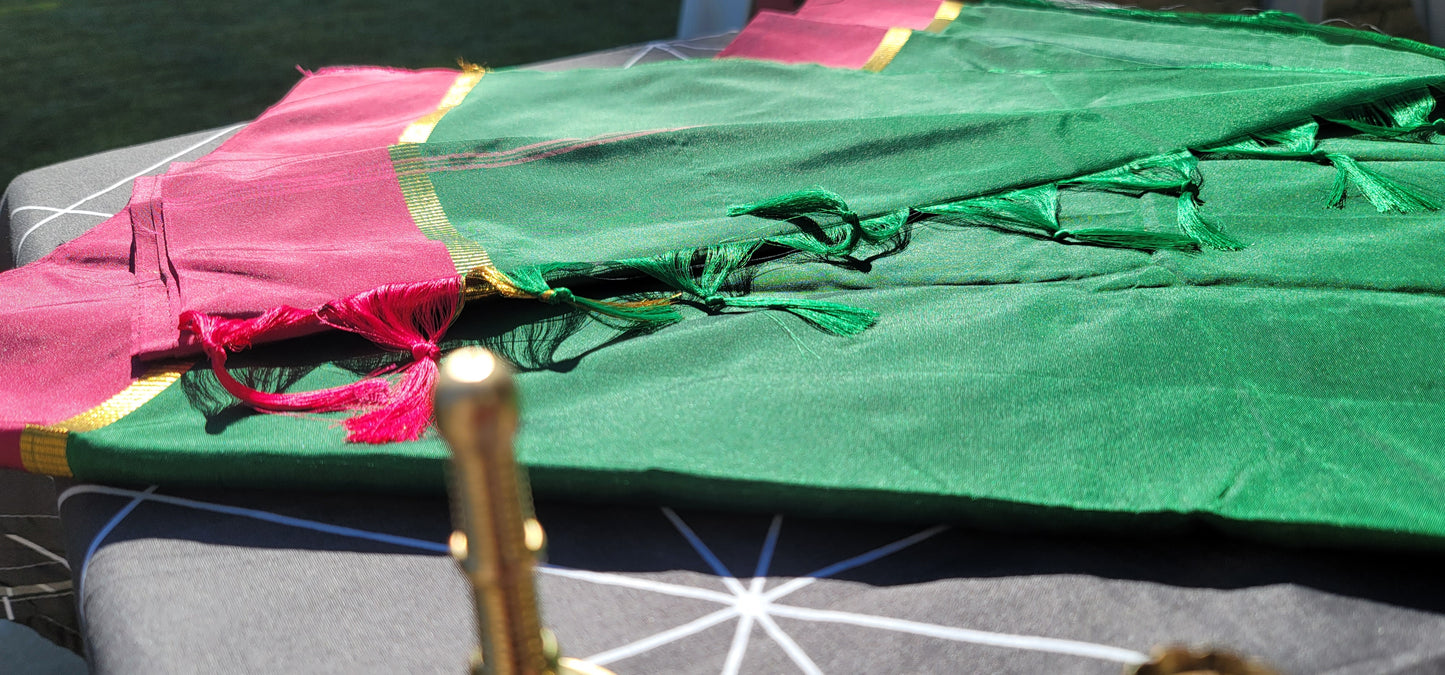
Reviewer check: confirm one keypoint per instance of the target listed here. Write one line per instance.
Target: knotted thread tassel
(703, 278)
(793, 204)
(1205, 232)
(702, 273)
(407, 318)
(829, 317)
(1385, 193)
(218, 335)
(804, 203)
(400, 317)
(1157, 173)
(1402, 116)
(1032, 209)
(884, 227)
(1298, 140)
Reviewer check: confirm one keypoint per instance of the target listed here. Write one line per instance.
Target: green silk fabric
(1035, 37)
(759, 129)
(1292, 390)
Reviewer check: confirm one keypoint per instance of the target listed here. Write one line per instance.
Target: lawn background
(82, 76)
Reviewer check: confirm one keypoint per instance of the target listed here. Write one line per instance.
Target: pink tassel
(220, 334)
(402, 317)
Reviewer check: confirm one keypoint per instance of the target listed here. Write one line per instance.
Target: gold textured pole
(476, 412)
(497, 538)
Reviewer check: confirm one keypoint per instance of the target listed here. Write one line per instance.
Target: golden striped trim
(426, 210)
(42, 448)
(947, 11)
(420, 130)
(887, 49)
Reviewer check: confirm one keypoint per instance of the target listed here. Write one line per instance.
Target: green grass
(82, 76)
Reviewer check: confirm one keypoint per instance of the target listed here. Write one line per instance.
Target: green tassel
(1406, 114)
(872, 230)
(829, 317)
(681, 270)
(1035, 208)
(884, 227)
(1137, 240)
(808, 243)
(531, 281)
(1203, 231)
(1286, 141)
(794, 204)
(1157, 173)
(653, 311)
(802, 203)
(676, 268)
(1385, 193)
(1296, 138)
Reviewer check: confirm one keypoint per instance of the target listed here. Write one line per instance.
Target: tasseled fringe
(877, 230)
(794, 204)
(1203, 231)
(703, 272)
(1171, 171)
(807, 202)
(1393, 117)
(1402, 116)
(406, 318)
(1032, 210)
(829, 317)
(529, 283)
(1385, 193)
(218, 335)
(714, 264)
(1035, 208)
(399, 317)
(1138, 240)
(1297, 140)
(809, 243)
(884, 227)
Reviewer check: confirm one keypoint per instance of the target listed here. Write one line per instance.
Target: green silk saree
(1048, 268)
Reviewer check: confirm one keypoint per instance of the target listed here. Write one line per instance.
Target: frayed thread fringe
(1384, 193)
(702, 273)
(409, 318)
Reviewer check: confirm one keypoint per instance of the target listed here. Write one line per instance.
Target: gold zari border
(893, 41)
(420, 130)
(426, 210)
(42, 448)
(947, 11)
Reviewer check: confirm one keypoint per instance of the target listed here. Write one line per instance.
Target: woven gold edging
(42, 448)
(420, 130)
(947, 11)
(426, 211)
(887, 49)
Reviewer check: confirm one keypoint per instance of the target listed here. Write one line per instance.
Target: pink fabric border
(74, 318)
(773, 36)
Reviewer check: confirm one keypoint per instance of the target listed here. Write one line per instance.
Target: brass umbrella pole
(497, 539)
